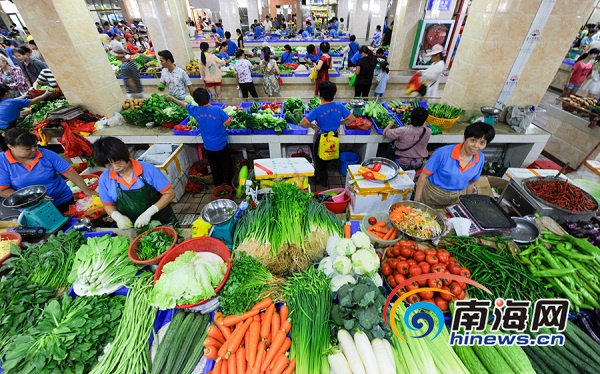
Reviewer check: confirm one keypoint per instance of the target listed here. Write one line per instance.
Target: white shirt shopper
(431, 76)
(267, 25)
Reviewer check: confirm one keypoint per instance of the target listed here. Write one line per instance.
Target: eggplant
(587, 327)
(571, 225)
(595, 318)
(591, 232)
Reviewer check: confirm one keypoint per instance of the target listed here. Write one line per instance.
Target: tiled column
(366, 15)
(68, 39)
(406, 23)
(492, 38)
(253, 11)
(165, 20)
(230, 14)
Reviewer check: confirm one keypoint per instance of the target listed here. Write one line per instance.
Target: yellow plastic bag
(313, 74)
(200, 228)
(329, 146)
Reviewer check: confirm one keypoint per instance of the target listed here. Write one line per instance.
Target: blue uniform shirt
(10, 109)
(445, 172)
(220, 32)
(258, 32)
(333, 33)
(287, 57)
(231, 47)
(328, 115)
(223, 56)
(309, 30)
(212, 121)
(315, 58)
(357, 56)
(353, 48)
(305, 34)
(109, 180)
(45, 169)
(334, 26)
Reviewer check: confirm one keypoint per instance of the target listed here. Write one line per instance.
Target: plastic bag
(352, 80)
(116, 120)
(200, 228)
(313, 74)
(74, 145)
(329, 146)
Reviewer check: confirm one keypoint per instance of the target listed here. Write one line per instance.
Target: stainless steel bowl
(219, 211)
(25, 197)
(525, 232)
(424, 208)
(388, 167)
(490, 110)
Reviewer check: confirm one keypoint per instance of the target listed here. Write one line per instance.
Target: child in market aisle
(351, 49)
(377, 37)
(382, 79)
(243, 75)
(212, 121)
(328, 116)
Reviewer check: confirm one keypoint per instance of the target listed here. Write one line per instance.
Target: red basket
(202, 244)
(10, 236)
(223, 187)
(338, 207)
(170, 125)
(133, 248)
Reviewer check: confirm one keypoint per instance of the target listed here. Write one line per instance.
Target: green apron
(132, 203)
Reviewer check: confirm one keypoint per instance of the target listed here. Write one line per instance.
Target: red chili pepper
(376, 167)
(368, 175)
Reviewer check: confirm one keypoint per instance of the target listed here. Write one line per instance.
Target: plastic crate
(302, 75)
(356, 132)
(245, 106)
(334, 75)
(263, 132)
(238, 132)
(295, 130)
(290, 74)
(219, 105)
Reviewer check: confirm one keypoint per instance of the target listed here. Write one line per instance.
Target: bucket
(348, 158)
(338, 207)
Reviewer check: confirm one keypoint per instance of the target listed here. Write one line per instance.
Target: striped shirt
(46, 78)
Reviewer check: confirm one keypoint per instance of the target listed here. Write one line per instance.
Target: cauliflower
(332, 242)
(326, 266)
(365, 262)
(361, 240)
(376, 278)
(345, 247)
(342, 265)
(339, 280)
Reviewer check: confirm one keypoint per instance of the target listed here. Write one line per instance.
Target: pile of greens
(269, 122)
(46, 264)
(294, 105)
(101, 264)
(67, 338)
(153, 244)
(314, 102)
(254, 108)
(39, 112)
(444, 110)
(379, 114)
(284, 68)
(359, 306)
(21, 303)
(248, 283)
(156, 109)
(242, 120)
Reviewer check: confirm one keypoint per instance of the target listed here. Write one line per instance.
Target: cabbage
(342, 265)
(332, 242)
(365, 262)
(376, 278)
(361, 240)
(345, 247)
(339, 280)
(326, 266)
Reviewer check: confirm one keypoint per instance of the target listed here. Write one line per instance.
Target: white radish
(349, 350)
(338, 363)
(389, 351)
(383, 360)
(363, 345)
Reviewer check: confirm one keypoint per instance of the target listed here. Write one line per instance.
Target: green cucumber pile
(444, 110)
(379, 114)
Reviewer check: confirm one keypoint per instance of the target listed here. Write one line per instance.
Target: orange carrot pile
(380, 231)
(255, 342)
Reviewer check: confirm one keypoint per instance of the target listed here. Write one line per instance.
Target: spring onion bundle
(444, 110)
(308, 296)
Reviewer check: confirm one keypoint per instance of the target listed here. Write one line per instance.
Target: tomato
(392, 262)
(441, 303)
(453, 269)
(400, 293)
(425, 266)
(395, 252)
(431, 259)
(415, 270)
(446, 281)
(379, 255)
(372, 220)
(392, 283)
(413, 299)
(461, 296)
(422, 282)
(462, 285)
(435, 283)
(430, 252)
(419, 256)
(443, 257)
(412, 286)
(412, 262)
(465, 272)
(455, 288)
(405, 244)
(388, 253)
(452, 260)
(406, 252)
(402, 267)
(442, 251)
(445, 296)
(386, 269)
(437, 269)
(399, 278)
(426, 294)
(400, 258)
(389, 278)
(428, 301)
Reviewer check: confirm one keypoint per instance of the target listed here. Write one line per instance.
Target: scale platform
(458, 210)
(486, 215)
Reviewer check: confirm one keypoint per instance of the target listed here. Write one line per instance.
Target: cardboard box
(486, 185)
(179, 159)
(371, 196)
(593, 165)
(520, 174)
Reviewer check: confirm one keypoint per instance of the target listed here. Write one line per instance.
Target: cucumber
(469, 359)
(516, 358)
(538, 364)
(492, 360)
(163, 348)
(570, 353)
(191, 337)
(587, 346)
(178, 342)
(196, 354)
(558, 365)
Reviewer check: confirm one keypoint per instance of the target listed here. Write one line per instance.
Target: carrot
(280, 364)
(214, 332)
(225, 368)
(217, 368)
(382, 230)
(380, 224)
(212, 341)
(347, 231)
(275, 321)
(240, 361)
(265, 327)
(263, 304)
(254, 337)
(260, 356)
(210, 352)
(284, 311)
(388, 236)
(225, 331)
(291, 367)
(218, 315)
(246, 338)
(287, 343)
(235, 319)
(231, 363)
(233, 343)
(275, 345)
(286, 326)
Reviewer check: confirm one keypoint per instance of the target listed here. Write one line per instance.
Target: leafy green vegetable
(101, 263)
(242, 120)
(444, 110)
(248, 283)
(314, 102)
(268, 122)
(156, 109)
(68, 337)
(40, 113)
(294, 105)
(46, 264)
(254, 108)
(153, 244)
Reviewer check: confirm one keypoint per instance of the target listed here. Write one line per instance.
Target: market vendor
(133, 192)
(326, 117)
(313, 54)
(452, 170)
(410, 142)
(10, 107)
(24, 165)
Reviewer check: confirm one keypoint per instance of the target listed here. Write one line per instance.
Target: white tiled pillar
(230, 14)
(366, 15)
(406, 22)
(252, 11)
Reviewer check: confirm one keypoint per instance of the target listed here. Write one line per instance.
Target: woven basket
(443, 123)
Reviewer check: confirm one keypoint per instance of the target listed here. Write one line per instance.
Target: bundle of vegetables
(231, 109)
(180, 349)
(285, 68)
(254, 108)
(569, 266)
(153, 244)
(379, 114)
(192, 277)
(156, 109)
(401, 107)
(579, 354)
(46, 264)
(309, 299)
(242, 120)
(406, 260)
(360, 123)
(270, 108)
(424, 355)
(314, 102)
(444, 110)
(101, 265)
(140, 60)
(349, 259)
(493, 266)
(68, 337)
(21, 303)
(415, 222)
(255, 342)
(128, 351)
(358, 355)
(249, 282)
(268, 122)
(294, 105)
(229, 74)
(294, 117)
(39, 113)
(562, 194)
(590, 324)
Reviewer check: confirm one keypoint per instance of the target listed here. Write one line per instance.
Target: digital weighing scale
(485, 214)
(358, 105)
(219, 213)
(36, 212)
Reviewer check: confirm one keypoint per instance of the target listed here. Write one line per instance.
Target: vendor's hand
(89, 192)
(123, 222)
(145, 217)
(170, 98)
